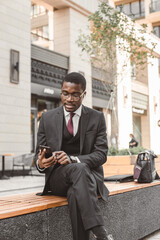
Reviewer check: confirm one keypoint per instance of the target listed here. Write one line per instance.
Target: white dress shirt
(75, 120)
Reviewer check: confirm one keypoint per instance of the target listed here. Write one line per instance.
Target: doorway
(137, 129)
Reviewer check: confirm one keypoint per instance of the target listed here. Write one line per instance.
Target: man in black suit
(77, 137)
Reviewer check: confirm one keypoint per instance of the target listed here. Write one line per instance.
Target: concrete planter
(122, 159)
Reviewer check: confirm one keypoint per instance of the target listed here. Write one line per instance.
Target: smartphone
(48, 151)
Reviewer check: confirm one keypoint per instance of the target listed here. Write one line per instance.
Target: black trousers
(79, 185)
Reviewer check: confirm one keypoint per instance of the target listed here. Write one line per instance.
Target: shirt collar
(77, 112)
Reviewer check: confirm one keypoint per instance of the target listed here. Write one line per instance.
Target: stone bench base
(131, 213)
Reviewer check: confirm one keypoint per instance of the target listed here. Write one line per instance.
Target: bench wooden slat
(119, 188)
(13, 204)
(30, 207)
(29, 203)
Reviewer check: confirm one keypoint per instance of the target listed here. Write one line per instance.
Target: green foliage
(123, 152)
(136, 150)
(112, 151)
(109, 25)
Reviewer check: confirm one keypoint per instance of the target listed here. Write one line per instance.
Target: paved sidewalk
(21, 184)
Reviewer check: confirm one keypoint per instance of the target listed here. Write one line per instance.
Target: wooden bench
(11, 206)
(132, 212)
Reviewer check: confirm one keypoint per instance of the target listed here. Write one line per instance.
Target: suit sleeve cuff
(40, 169)
(78, 161)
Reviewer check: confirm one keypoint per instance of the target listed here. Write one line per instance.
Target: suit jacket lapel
(59, 127)
(83, 126)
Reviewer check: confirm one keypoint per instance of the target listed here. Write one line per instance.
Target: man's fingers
(60, 155)
(64, 160)
(47, 165)
(47, 162)
(43, 153)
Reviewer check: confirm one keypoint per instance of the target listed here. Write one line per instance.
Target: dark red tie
(70, 124)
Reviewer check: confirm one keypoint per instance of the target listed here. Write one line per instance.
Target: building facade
(15, 77)
(38, 48)
(145, 87)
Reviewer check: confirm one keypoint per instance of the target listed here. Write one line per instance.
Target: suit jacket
(93, 141)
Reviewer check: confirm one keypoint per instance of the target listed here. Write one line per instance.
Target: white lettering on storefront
(49, 91)
(136, 110)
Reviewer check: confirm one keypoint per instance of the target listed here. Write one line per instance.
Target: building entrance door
(39, 105)
(137, 129)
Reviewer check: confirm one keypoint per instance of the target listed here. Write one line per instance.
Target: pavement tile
(21, 184)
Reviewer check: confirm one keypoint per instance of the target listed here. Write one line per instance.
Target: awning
(139, 100)
(47, 91)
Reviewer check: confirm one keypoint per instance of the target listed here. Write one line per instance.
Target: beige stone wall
(145, 130)
(62, 31)
(78, 61)
(142, 74)
(39, 21)
(124, 99)
(67, 23)
(88, 5)
(15, 98)
(154, 105)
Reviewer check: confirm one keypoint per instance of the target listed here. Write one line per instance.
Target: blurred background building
(145, 91)
(38, 47)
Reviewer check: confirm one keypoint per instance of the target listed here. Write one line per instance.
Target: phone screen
(48, 151)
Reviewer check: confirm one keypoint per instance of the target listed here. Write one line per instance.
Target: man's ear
(84, 94)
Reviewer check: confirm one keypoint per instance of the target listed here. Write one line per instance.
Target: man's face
(71, 96)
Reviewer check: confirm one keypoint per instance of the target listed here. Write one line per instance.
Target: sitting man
(76, 135)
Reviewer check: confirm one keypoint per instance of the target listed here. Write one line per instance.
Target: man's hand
(46, 162)
(63, 158)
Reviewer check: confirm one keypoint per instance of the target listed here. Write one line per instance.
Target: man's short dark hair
(76, 78)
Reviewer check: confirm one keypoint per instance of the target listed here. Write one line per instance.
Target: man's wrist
(39, 164)
(39, 167)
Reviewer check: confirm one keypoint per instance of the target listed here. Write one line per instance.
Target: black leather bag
(144, 169)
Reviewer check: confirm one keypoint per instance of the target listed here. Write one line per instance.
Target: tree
(110, 31)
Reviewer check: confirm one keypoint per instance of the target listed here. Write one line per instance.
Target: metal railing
(35, 15)
(36, 37)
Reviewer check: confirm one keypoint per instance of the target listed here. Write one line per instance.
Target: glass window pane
(157, 31)
(142, 7)
(45, 31)
(126, 9)
(135, 8)
(41, 9)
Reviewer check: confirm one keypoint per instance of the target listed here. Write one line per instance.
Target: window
(155, 6)
(156, 31)
(37, 10)
(126, 9)
(133, 70)
(40, 33)
(133, 9)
